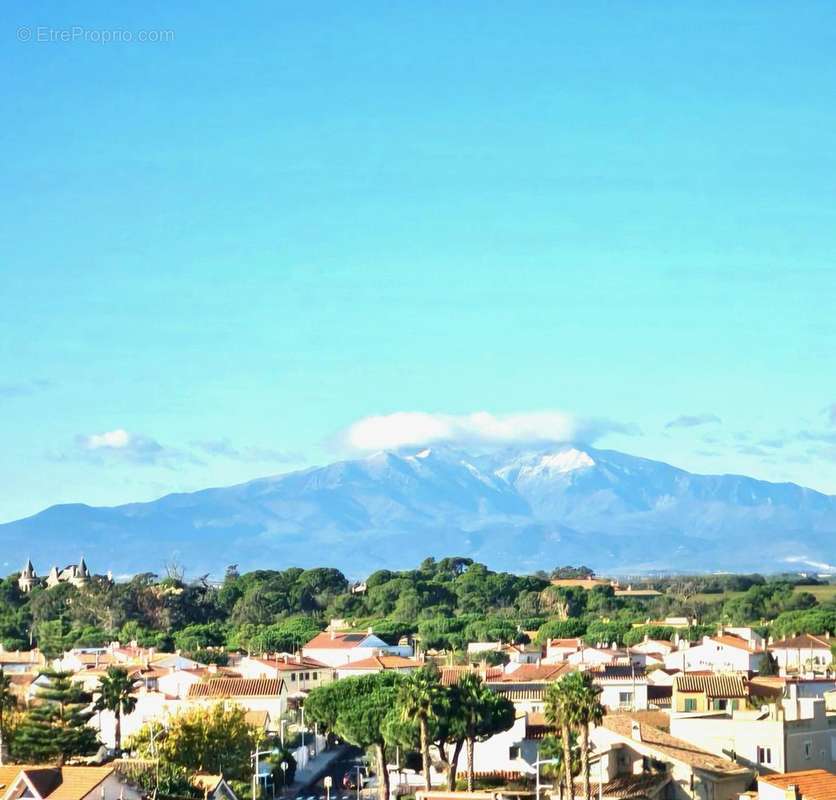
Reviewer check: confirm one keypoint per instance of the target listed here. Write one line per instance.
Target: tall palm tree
(418, 698)
(7, 701)
(115, 694)
(588, 711)
(472, 708)
(561, 714)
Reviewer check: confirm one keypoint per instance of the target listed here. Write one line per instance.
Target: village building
(64, 783)
(804, 653)
(708, 691)
(631, 747)
(375, 664)
(721, 653)
(779, 737)
(334, 648)
(300, 673)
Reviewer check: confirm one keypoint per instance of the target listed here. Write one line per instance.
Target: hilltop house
(708, 691)
(334, 648)
(76, 574)
(808, 784)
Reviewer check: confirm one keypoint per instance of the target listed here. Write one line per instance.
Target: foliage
(115, 695)
(216, 739)
(55, 727)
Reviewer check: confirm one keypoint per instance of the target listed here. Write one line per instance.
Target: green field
(821, 593)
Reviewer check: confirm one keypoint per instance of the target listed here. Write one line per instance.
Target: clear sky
(221, 249)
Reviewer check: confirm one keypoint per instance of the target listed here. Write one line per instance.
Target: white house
(300, 673)
(561, 649)
(633, 748)
(334, 648)
(623, 687)
(66, 783)
(794, 735)
(804, 653)
(595, 656)
(723, 653)
(375, 664)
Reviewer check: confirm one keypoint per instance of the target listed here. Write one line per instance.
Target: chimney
(333, 634)
(635, 731)
(827, 634)
(792, 793)
(370, 630)
(298, 658)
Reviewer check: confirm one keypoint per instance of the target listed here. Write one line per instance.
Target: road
(348, 762)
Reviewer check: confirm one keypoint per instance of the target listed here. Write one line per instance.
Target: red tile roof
(736, 641)
(814, 784)
(712, 685)
(291, 663)
(383, 662)
(530, 673)
(805, 641)
(237, 687)
(336, 641)
(452, 675)
(670, 746)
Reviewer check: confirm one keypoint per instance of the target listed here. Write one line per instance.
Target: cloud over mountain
(416, 428)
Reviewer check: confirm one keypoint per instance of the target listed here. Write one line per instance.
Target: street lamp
(254, 756)
(537, 765)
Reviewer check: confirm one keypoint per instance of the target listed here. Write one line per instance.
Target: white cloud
(115, 440)
(411, 428)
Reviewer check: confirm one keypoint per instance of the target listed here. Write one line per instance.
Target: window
(808, 750)
(625, 699)
(764, 755)
(314, 676)
(690, 703)
(513, 752)
(307, 676)
(293, 676)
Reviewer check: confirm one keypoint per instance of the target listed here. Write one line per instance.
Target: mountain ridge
(514, 508)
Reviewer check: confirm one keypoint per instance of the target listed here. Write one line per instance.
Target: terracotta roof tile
(383, 662)
(712, 685)
(814, 784)
(803, 642)
(237, 687)
(670, 746)
(336, 641)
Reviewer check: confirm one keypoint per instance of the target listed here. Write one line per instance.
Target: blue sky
(221, 250)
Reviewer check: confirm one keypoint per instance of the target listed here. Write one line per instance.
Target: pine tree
(55, 728)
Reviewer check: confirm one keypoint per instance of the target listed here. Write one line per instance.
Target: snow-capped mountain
(514, 509)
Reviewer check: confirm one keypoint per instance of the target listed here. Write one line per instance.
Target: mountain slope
(519, 510)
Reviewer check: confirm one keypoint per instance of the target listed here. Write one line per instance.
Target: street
(348, 763)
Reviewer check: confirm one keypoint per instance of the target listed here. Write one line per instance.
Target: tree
(483, 713)
(560, 714)
(357, 710)
(115, 695)
(768, 665)
(55, 728)
(418, 699)
(7, 702)
(215, 739)
(552, 748)
(588, 711)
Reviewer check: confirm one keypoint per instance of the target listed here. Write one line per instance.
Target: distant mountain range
(515, 509)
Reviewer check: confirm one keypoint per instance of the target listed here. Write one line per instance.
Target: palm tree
(115, 694)
(561, 714)
(589, 711)
(473, 701)
(552, 748)
(418, 698)
(7, 701)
